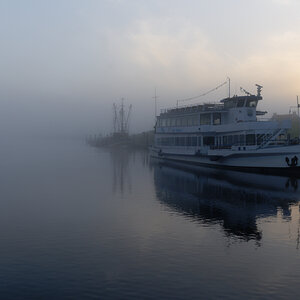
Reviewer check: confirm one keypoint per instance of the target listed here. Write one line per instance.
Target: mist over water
(64, 63)
(80, 222)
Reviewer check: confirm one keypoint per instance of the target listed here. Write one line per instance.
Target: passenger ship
(226, 135)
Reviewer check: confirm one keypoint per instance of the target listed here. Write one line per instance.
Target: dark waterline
(80, 223)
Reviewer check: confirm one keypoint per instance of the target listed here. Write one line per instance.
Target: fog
(64, 63)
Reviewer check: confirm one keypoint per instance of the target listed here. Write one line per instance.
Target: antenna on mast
(155, 103)
(246, 92)
(259, 88)
(228, 78)
(298, 106)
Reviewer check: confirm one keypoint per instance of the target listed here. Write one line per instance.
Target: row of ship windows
(204, 119)
(228, 140)
(240, 103)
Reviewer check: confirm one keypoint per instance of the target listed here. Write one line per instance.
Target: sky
(65, 62)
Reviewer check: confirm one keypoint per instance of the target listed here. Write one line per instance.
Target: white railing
(268, 138)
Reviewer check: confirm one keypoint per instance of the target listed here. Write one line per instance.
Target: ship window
(235, 139)
(183, 121)
(220, 141)
(240, 103)
(181, 141)
(216, 118)
(229, 104)
(194, 141)
(259, 138)
(188, 141)
(190, 121)
(251, 103)
(186, 121)
(242, 139)
(250, 139)
(208, 140)
(205, 119)
(199, 141)
(195, 120)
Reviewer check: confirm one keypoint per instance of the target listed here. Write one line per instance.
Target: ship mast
(155, 104)
(298, 106)
(115, 118)
(122, 115)
(121, 118)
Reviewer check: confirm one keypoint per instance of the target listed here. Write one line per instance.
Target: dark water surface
(78, 223)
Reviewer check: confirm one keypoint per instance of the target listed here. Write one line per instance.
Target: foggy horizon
(64, 63)
(103, 197)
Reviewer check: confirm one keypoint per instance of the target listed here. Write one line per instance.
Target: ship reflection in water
(122, 161)
(232, 199)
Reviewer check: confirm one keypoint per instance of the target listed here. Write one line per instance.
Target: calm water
(78, 222)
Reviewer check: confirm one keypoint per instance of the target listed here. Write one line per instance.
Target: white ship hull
(279, 160)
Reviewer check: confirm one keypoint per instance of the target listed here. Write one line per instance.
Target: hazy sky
(64, 62)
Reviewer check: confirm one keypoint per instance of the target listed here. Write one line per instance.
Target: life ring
(293, 162)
